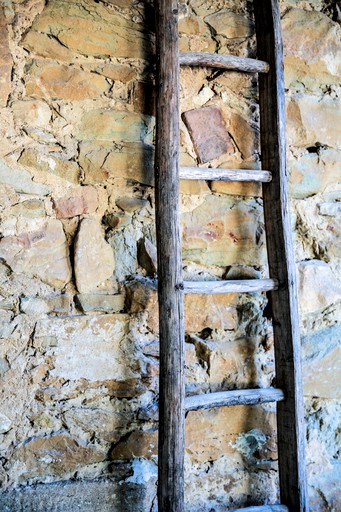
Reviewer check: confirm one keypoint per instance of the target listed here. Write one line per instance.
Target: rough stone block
(111, 125)
(94, 342)
(51, 164)
(212, 434)
(305, 61)
(21, 181)
(313, 173)
(94, 262)
(318, 287)
(99, 34)
(224, 231)
(230, 364)
(33, 113)
(245, 134)
(322, 363)
(103, 303)
(44, 305)
(230, 24)
(116, 494)
(102, 161)
(56, 455)
(43, 254)
(78, 202)
(201, 311)
(208, 133)
(58, 81)
(314, 121)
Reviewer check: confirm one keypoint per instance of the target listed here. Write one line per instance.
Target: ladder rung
(235, 397)
(263, 508)
(205, 173)
(216, 60)
(232, 286)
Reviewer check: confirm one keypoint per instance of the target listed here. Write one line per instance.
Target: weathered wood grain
(214, 174)
(235, 397)
(290, 416)
(233, 286)
(229, 62)
(172, 391)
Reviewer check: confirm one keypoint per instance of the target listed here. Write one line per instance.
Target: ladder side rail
(290, 412)
(170, 294)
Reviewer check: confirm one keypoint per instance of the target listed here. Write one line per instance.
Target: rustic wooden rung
(263, 508)
(229, 62)
(205, 173)
(235, 397)
(232, 286)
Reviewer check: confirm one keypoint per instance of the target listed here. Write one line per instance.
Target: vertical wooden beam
(172, 391)
(290, 413)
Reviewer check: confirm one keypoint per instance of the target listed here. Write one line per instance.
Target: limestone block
(90, 28)
(322, 363)
(223, 231)
(312, 53)
(312, 120)
(103, 160)
(100, 302)
(194, 187)
(5, 424)
(51, 164)
(105, 424)
(42, 45)
(30, 209)
(322, 376)
(330, 209)
(208, 133)
(201, 311)
(118, 72)
(56, 455)
(47, 79)
(230, 364)
(78, 202)
(113, 125)
(33, 113)
(237, 188)
(245, 135)
(95, 495)
(230, 24)
(95, 342)
(141, 444)
(192, 25)
(44, 305)
(131, 204)
(6, 61)
(211, 434)
(21, 180)
(318, 287)
(43, 254)
(94, 258)
(312, 173)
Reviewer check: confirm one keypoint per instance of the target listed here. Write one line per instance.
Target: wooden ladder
(171, 287)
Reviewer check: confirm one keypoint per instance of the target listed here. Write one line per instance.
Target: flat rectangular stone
(207, 129)
(104, 303)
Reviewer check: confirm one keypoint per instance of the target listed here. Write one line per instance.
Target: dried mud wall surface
(79, 332)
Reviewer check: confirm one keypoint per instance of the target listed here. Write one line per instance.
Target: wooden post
(290, 413)
(170, 286)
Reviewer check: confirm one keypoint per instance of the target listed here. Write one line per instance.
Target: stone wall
(79, 330)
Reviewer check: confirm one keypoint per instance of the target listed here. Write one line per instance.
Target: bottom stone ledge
(105, 495)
